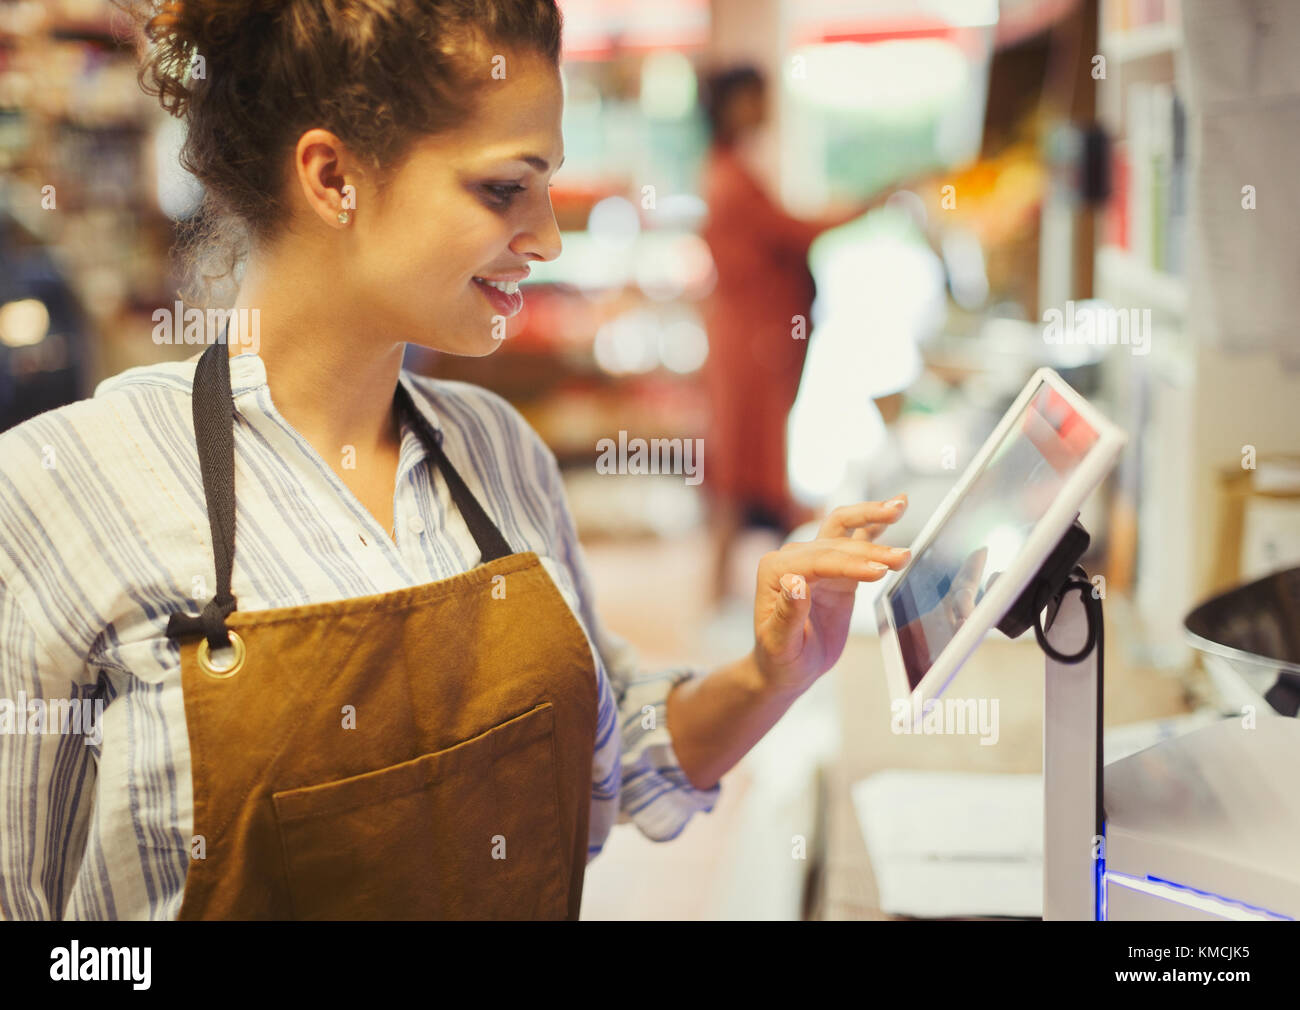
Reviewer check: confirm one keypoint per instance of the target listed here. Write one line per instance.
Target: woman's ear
(327, 177)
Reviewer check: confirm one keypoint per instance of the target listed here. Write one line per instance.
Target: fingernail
(894, 503)
(899, 552)
(876, 566)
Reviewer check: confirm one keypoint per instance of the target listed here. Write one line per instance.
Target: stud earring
(344, 217)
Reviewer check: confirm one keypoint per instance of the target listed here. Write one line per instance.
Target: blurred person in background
(756, 353)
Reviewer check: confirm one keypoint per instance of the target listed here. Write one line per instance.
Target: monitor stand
(1071, 783)
(1073, 821)
(1072, 643)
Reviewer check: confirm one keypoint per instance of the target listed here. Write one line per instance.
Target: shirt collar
(413, 447)
(248, 374)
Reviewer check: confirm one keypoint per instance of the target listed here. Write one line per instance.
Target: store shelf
(84, 130)
(1142, 43)
(1121, 275)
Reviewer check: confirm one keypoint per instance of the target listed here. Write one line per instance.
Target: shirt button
(415, 524)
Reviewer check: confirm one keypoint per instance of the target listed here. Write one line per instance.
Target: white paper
(946, 844)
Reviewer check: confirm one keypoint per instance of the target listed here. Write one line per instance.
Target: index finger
(872, 516)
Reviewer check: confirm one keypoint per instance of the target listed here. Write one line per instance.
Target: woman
(756, 340)
(396, 700)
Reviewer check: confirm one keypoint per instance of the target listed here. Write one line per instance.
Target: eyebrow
(537, 162)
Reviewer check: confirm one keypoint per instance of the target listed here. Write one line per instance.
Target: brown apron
(418, 754)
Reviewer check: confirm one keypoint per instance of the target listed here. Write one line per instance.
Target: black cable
(1092, 605)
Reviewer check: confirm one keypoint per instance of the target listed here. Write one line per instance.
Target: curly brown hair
(248, 77)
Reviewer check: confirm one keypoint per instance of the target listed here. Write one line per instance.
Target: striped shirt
(104, 533)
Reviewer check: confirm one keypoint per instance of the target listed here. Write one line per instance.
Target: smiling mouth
(504, 297)
(506, 287)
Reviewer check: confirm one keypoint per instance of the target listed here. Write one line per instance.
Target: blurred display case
(79, 181)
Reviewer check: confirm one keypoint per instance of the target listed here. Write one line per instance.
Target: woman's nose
(543, 243)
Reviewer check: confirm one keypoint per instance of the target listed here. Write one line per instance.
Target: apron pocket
(470, 832)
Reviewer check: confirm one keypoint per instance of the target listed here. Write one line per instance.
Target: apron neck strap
(214, 418)
(487, 536)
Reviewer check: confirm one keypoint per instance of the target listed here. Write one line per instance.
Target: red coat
(754, 362)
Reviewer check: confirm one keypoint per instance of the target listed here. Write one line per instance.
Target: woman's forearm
(716, 719)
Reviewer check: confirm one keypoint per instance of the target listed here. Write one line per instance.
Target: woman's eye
(503, 194)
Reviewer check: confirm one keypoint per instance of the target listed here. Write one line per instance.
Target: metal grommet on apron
(423, 753)
(206, 664)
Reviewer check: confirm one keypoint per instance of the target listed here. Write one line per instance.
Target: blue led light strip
(1099, 880)
(1192, 897)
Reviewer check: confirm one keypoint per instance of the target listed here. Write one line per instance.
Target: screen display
(987, 527)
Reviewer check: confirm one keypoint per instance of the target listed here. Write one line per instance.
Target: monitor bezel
(1045, 535)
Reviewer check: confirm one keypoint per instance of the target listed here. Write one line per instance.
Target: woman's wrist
(766, 684)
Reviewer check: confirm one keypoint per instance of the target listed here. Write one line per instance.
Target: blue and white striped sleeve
(655, 793)
(46, 778)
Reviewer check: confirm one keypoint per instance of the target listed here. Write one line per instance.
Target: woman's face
(473, 203)
(748, 110)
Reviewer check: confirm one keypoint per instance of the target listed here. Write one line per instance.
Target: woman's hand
(806, 591)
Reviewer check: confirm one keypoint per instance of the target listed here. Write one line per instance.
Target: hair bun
(178, 32)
